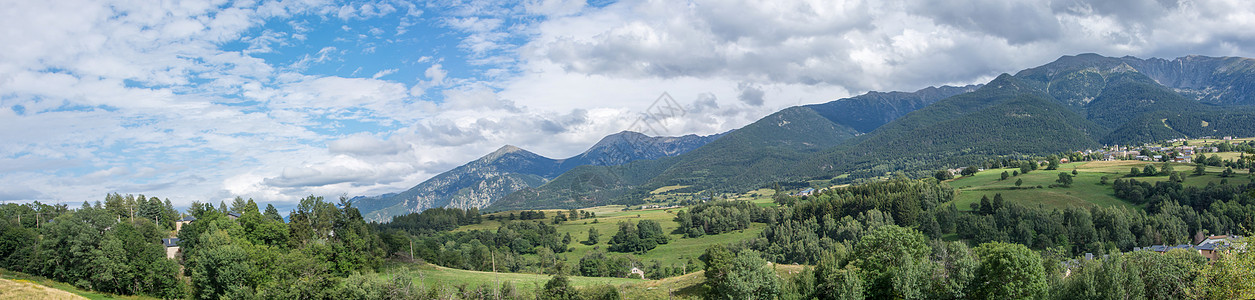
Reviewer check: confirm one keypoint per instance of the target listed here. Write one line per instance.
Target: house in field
(1182, 159)
(172, 247)
(637, 272)
(184, 221)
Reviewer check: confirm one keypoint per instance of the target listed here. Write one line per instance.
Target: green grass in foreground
(432, 275)
(40, 280)
(688, 286)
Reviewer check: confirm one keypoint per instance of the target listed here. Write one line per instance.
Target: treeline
(503, 250)
(522, 215)
(259, 256)
(893, 262)
(803, 230)
(92, 247)
(718, 217)
(433, 220)
(638, 238)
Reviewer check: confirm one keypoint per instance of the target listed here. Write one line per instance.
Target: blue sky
(276, 100)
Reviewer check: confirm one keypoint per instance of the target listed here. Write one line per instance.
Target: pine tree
(986, 208)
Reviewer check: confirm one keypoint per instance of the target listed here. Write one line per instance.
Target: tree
(557, 288)
(1134, 172)
(630, 239)
(592, 236)
(1228, 172)
(1074, 173)
(1199, 168)
(272, 213)
(745, 275)
(999, 203)
(220, 267)
(943, 175)
(1008, 271)
(1103, 180)
(958, 266)
(882, 252)
(1053, 164)
(986, 208)
(969, 171)
(1149, 171)
(1005, 175)
(1064, 179)
(1019, 182)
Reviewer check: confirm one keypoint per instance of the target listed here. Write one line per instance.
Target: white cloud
(131, 97)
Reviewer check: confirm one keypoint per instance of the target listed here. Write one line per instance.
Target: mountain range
(1076, 102)
(508, 169)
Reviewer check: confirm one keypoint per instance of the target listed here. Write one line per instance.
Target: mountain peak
(508, 149)
(503, 151)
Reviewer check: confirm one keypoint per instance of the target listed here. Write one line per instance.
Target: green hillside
(739, 160)
(1087, 189)
(1005, 117)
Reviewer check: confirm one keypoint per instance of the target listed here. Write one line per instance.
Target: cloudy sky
(275, 100)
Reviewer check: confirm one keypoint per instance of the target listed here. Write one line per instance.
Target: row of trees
(893, 262)
(433, 220)
(90, 247)
(638, 238)
(1178, 214)
(717, 217)
(259, 256)
(502, 250)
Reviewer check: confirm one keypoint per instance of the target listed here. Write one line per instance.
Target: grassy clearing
(688, 286)
(18, 285)
(22, 289)
(428, 275)
(1086, 189)
(668, 189)
(677, 252)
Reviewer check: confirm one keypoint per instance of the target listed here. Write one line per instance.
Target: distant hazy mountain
(1075, 102)
(482, 181)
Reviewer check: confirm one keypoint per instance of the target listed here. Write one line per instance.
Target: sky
(193, 100)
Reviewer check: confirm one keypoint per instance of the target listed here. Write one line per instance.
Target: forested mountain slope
(491, 177)
(1076, 102)
(739, 158)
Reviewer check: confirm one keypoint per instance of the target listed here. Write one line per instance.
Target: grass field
(22, 289)
(18, 285)
(688, 286)
(428, 275)
(1086, 189)
(677, 252)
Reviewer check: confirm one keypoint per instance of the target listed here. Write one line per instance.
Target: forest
(900, 238)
